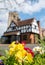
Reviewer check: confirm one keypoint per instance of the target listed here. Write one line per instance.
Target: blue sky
(26, 9)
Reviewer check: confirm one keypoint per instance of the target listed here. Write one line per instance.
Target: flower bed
(19, 55)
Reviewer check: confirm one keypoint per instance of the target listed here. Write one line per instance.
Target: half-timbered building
(21, 30)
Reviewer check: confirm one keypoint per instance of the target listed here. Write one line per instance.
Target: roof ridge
(26, 19)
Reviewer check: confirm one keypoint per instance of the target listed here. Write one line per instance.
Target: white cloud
(3, 22)
(3, 27)
(20, 1)
(4, 17)
(25, 6)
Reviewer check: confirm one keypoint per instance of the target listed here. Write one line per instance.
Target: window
(13, 28)
(29, 29)
(26, 26)
(19, 28)
(22, 31)
(24, 37)
(22, 27)
(13, 38)
(35, 26)
(12, 24)
(30, 24)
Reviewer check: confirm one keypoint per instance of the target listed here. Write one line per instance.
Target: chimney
(40, 29)
(38, 22)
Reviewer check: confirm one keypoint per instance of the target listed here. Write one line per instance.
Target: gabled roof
(24, 22)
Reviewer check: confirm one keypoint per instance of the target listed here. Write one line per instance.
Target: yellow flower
(11, 51)
(24, 53)
(29, 58)
(19, 55)
(20, 46)
(12, 44)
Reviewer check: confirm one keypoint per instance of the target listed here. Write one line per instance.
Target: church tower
(13, 16)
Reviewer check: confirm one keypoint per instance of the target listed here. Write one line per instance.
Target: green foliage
(26, 63)
(39, 59)
(42, 43)
(10, 60)
(36, 38)
(44, 39)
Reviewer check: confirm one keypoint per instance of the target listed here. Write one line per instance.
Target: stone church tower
(13, 16)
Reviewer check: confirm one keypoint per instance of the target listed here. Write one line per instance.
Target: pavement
(5, 46)
(31, 45)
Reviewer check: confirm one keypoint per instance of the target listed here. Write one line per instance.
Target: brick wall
(32, 38)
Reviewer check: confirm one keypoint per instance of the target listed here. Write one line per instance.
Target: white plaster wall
(34, 23)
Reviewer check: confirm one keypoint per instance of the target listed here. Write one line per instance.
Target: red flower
(23, 43)
(29, 51)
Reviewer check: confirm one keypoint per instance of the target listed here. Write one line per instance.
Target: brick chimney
(40, 29)
(38, 26)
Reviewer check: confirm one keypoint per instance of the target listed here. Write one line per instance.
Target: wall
(30, 38)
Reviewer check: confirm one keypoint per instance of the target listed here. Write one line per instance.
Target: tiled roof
(24, 22)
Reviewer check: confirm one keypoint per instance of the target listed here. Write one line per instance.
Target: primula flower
(29, 51)
(38, 49)
(11, 51)
(20, 53)
(23, 43)
(29, 58)
(12, 44)
(19, 46)
(24, 53)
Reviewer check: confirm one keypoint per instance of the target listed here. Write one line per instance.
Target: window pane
(24, 37)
